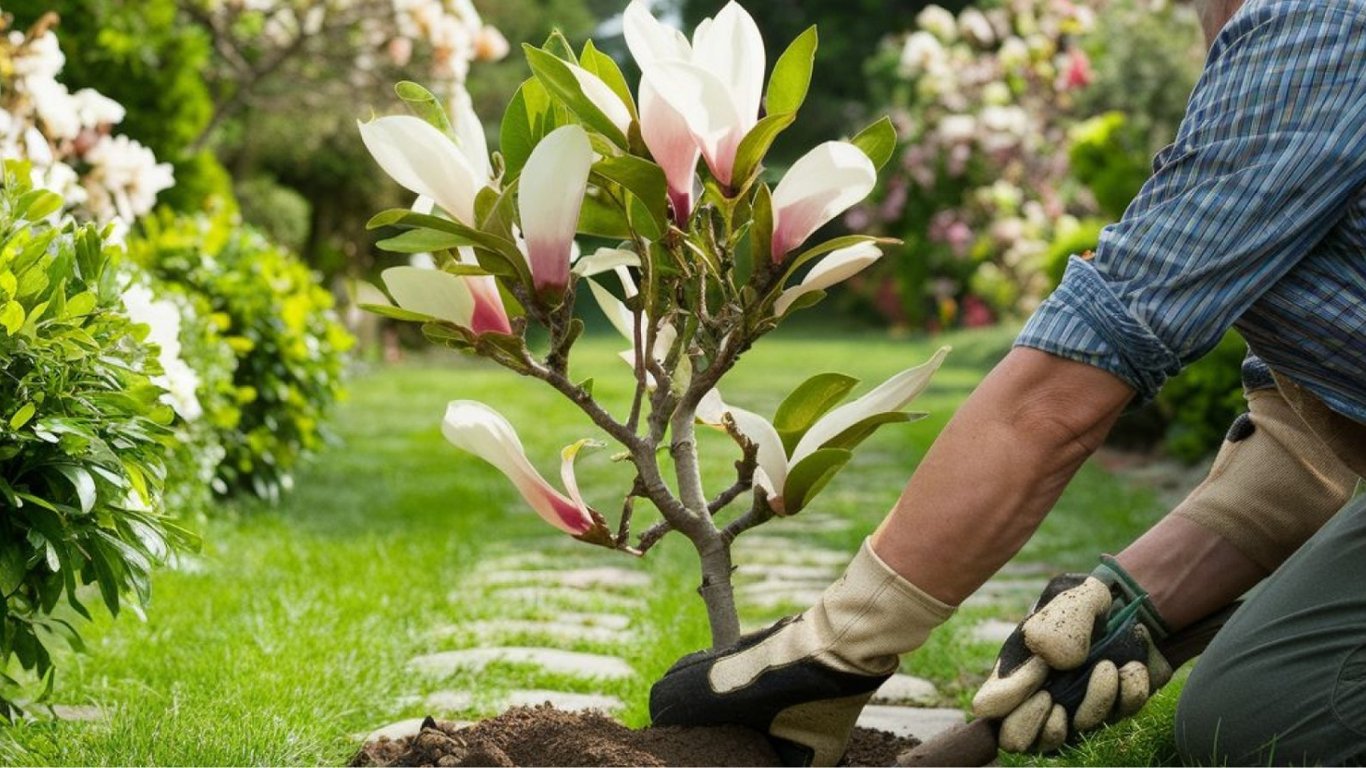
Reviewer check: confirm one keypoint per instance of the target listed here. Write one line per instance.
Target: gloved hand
(804, 680)
(1085, 654)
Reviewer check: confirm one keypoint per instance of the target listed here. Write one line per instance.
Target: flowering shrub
(83, 428)
(710, 259)
(68, 137)
(999, 166)
(270, 311)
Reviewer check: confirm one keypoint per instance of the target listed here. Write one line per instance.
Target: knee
(1199, 714)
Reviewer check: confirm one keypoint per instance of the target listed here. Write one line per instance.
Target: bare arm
(996, 471)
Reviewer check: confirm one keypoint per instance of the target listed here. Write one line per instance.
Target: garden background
(201, 432)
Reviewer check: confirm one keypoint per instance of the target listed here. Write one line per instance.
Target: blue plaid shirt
(1254, 218)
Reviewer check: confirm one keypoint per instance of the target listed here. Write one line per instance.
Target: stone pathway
(921, 722)
(443, 702)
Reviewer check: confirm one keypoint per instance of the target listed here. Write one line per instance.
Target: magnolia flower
(549, 198)
(469, 302)
(715, 84)
(482, 431)
(664, 129)
(162, 318)
(818, 187)
(424, 160)
(621, 317)
(775, 464)
(835, 268)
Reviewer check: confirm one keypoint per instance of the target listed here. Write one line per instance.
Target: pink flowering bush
(992, 106)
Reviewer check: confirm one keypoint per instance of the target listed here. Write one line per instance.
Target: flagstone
(77, 712)
(801, 598)
(992, 631)
(763, 571)
(461, 701)
(759, 589)
(558, 597)
(921, 722)
(606, 577)
(552, 660)
(409, 727)
(906, 689)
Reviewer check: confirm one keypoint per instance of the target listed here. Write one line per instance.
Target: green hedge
(83, 435)
(279, 322)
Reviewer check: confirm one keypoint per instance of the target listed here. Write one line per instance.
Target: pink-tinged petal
(424, 160)
(672, 145)
(731, 48)
(651, 41)
(431, 292)
(818, 187)
(892, 395)
(708, 108)
(482, 431)
(772, 457)
(550, 196)
(603, 97)
(835, 268)
(469, 131)
(605, 260)
(490, 314)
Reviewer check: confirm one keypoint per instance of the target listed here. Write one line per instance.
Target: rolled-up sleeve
(1271, 153)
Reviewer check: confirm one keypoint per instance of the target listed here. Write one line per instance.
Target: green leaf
(12, 317)
(37, 204)
(526, 121)
(878, 142)
(601, 218)
(80, 479)
(804, 301)
(810, 476)
(791, 77)
(643, 178)
(811, 400)
(851, 437)
(21, 416)
(755, 146)
(398, 313)
(424, 104)
(81, 304)
(556, 76)
(504, 258)
(606, 69)
(761, 233)
(423, 241)
(558, 46)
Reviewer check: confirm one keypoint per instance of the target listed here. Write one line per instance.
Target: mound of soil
(545, 736)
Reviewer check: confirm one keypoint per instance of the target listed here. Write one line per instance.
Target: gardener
(1254, 218)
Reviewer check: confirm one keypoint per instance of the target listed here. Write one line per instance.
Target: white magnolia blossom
(58, 132)
(162, 316)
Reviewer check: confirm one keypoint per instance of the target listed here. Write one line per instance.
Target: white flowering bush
(68, 138)
(992, 105)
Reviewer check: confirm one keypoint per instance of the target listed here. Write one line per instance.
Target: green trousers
(1284, 682)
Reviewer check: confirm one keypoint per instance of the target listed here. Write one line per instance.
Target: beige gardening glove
(804, 680)
(1085, 654)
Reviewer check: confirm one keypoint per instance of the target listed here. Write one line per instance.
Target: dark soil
(545, 736)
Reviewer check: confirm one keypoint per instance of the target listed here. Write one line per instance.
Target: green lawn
(288, 634)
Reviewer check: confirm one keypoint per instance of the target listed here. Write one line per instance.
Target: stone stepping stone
(760, 589)
(580, 578)
(775, 550)
(814, 524)
(906, 689)
(604, 620)
(992, 631)
(559, 597)
(555, 630)
(552, 660)
(769, 572)
(460, 701)
(921, 722)
(405, 728)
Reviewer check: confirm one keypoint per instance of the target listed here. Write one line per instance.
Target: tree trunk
(718, 594)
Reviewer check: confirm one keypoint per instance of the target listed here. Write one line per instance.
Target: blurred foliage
(1109, 157)
(290, 348)
(142, 54)
(1200, 403)
(281, 213)
(851, 31)
(82, 436)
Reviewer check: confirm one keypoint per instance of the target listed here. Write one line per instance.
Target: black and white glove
(804, 680)
(1085, 655)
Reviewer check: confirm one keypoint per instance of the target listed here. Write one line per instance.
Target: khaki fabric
(1268, 493)
(1346, 438)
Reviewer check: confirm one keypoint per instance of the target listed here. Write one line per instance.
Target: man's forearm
(1188, 571)
(996, 470)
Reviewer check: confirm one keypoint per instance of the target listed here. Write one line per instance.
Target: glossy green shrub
(1202, 401)
(278, 321)
(82, 436)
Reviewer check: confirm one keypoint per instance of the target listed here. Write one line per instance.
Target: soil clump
(545, 736)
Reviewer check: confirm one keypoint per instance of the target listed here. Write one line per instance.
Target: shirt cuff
(1085, 321)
